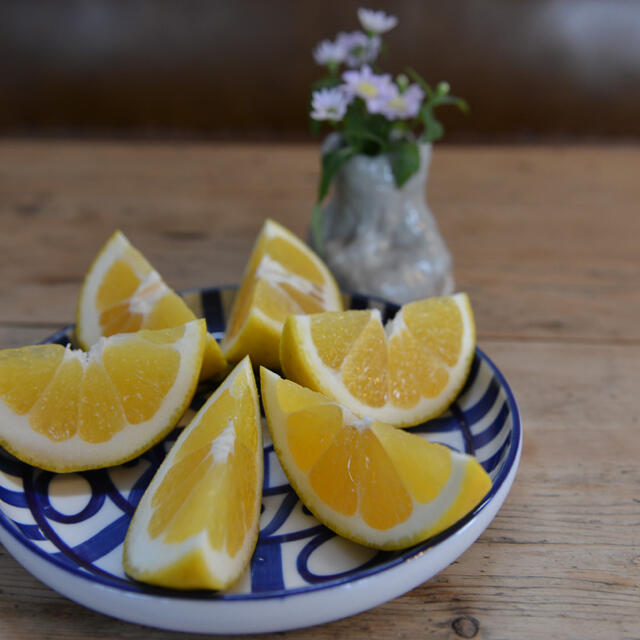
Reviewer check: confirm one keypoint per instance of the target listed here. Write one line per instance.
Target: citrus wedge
(404, 373)
(283, 276)
(196, 525)
(122, 293)
(66, 410)
(367, 481)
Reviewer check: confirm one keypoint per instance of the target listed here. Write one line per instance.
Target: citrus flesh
(123, 293)
(68, 410)
(403, 373)
(196, 525)
(366, 480)
(283, 276)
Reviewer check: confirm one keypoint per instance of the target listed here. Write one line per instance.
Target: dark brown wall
(243, 68)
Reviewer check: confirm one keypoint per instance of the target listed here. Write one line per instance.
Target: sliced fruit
(196, 525)
(366, 480)
(122, 293)
(403, 373)
(66, 410)
(283, 276)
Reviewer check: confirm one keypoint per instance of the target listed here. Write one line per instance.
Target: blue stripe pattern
(30, 531)
(493, 430)
(34, 515)
(14, 498)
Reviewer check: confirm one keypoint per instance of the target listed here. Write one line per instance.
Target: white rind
(224, 444)
(423, 517)
(273, 611)
(329, 380)
(90, 325)
(274, 273)
(333, 298)
(75, 452)
(145, 554)
(143, 304)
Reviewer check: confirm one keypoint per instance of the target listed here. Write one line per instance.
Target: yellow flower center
(368, 89)
(398, 103)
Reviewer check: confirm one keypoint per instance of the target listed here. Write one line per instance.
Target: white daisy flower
(329, 104)
(359, 48)
(376, 22)
(400, 105)
(367, 85)
(328, 52)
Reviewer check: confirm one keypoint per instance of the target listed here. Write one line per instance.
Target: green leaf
(463, 105)
(315, 126)
(359, 139)
(328, 82)
(317, 224)
(457, 102)
(365, 132)
(405, 161)
(433, 129)
(332, 162)
(417, 78)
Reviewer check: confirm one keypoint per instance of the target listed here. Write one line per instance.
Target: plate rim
(214, 599)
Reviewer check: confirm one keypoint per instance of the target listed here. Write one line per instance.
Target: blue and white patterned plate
(67, 530)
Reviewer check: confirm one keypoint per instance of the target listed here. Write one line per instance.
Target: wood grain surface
(545, 240)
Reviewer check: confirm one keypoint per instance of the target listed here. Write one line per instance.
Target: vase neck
(364, 174)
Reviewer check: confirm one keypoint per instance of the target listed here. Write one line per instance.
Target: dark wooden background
(242, 69)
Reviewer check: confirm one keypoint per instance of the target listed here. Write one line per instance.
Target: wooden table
(545, 241)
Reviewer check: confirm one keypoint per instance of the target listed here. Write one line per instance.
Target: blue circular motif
(483, 421)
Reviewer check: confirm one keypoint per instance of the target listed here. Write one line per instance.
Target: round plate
(68, 529)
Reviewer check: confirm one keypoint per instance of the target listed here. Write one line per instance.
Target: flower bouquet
(373, 112)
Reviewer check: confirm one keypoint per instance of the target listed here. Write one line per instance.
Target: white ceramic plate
(67, 530)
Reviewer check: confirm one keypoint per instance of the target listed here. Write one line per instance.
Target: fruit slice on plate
(283, 276)
(123, 293)
(367, 481)
(403, 373)
(196, 525)
(67, 410)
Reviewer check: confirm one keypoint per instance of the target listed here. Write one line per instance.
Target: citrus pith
(67, 410)
(367, 481)
(122, 293)
(197, 523)
(283, 276)
(403, 373)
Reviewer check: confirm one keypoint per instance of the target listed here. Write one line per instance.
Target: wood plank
(11, 336)
(561, 559)
(545, 241)
(544, 238)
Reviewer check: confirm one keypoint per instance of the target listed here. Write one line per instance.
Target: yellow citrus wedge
(196, 525)
(367, 481)
(122, 293)
(67, 410)
(403, 373)
(283, 276)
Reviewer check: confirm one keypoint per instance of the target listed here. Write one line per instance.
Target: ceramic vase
(381, 240)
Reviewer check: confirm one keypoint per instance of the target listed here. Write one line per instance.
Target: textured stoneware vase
(383, 241)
